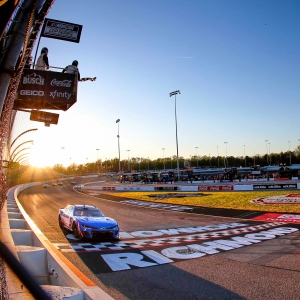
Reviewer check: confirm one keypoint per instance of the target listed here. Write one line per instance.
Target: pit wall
(60, 278)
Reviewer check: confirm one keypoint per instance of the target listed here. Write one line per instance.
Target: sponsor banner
(174, 195)
(108, 188)
(274, 186)
(281, 199)
(166, 188)
(60, 30)
(46, 89)
(215, 187)
(7, 7)
(129, 188)
(142, 249)
(42, 116)
(276, 217)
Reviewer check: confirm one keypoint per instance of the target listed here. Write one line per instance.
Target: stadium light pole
(128, 161)
(33, 129)
(97, 159)
(13, 155)
(244, 155)
(197, 155)
(17, 159)
(270, 158)
(218, 156)
(267, 151)
(12, 158)
(118, 121)
(163, 149)
(174, 94)
(290, 152)
(226, 163)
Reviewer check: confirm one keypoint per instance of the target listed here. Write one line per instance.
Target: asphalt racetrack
(175, 253)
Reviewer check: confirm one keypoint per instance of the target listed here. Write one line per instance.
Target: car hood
(97, 222)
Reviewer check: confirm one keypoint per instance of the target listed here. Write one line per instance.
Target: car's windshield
(88, 212)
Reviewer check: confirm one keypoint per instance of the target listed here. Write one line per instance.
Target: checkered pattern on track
(161, 242)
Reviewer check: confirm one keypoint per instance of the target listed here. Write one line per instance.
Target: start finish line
(171, 245)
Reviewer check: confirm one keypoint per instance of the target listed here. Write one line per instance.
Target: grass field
(231, 200)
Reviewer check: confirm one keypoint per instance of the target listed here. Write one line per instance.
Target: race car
(86, 221)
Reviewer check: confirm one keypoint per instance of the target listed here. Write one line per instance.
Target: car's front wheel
(75, 230)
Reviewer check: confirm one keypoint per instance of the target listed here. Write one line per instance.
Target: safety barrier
(151, 188)
(209, 186)
(44, 262)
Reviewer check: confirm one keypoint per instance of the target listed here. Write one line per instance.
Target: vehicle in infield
(86, 221)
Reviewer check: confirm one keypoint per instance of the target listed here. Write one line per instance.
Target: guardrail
(47, 265)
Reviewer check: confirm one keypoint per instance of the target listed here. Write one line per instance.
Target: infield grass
(230, 200)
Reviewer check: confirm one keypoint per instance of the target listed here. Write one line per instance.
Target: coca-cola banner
(61, 30)
(46, 90)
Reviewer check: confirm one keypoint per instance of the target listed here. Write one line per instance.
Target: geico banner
(47, 86)
(61, 30)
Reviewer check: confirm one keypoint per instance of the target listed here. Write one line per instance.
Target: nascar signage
(46, 90)
(61, 30)
(43, 116)
(274, 186)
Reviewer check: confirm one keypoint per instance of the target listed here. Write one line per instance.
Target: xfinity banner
(61, 30)
(46, 90)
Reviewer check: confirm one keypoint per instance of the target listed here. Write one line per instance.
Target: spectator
(72, 69)
(43, 61)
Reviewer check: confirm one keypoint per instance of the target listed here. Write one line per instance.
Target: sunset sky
(236, 64)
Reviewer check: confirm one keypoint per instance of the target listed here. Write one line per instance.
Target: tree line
(142, 164)
(26, 174)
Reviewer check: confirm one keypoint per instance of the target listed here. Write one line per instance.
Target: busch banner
(46, 90)
(61, 30)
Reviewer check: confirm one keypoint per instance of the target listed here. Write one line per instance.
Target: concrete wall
(46, 264)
